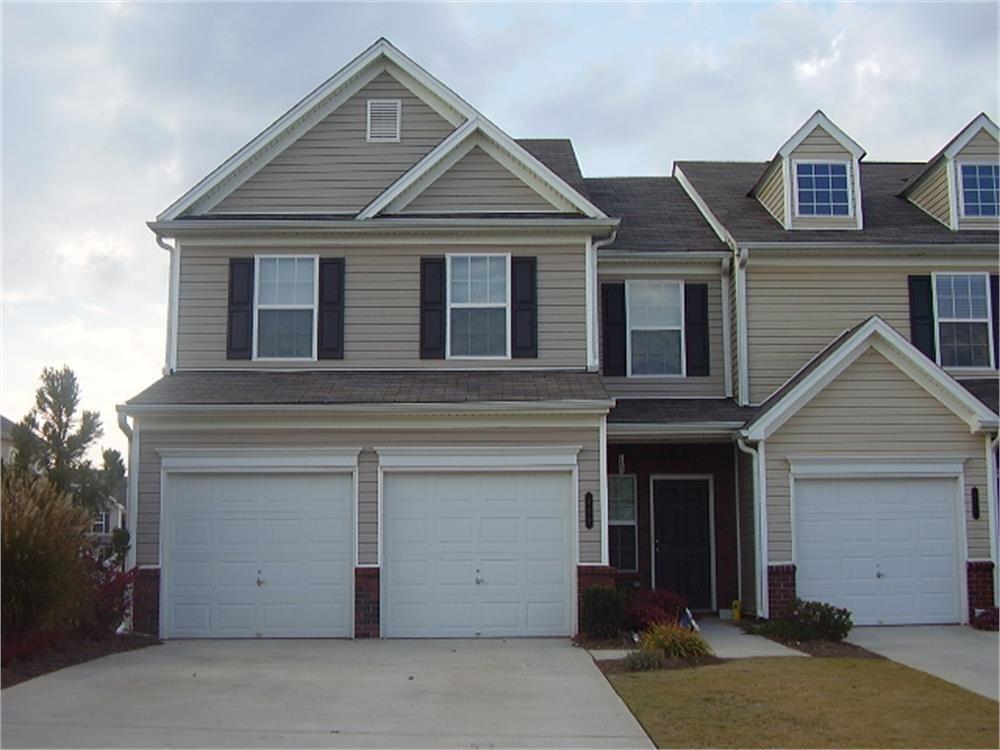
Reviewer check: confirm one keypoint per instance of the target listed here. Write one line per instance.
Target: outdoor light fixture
(975, 503)
(621, 463)
(588, 510)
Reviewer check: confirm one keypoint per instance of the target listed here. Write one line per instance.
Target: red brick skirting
(588, 576)
(146, 602)
(780, 589)
(980, 576)
(366, 602)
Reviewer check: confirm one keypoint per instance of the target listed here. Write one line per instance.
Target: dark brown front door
(681, 539)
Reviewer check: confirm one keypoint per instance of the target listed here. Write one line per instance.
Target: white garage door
(258, 555)
(886, 549)
(478, 555)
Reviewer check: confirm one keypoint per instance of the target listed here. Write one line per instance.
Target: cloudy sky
(111, 111)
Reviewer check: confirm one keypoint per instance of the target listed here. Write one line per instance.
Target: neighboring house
(113, 517)
(6, 440)
(424, 379)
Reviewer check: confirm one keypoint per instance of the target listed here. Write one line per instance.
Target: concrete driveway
(956, 653)
(319, 693)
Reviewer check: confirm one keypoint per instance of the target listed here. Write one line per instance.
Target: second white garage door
(471, 555)
(887, 549)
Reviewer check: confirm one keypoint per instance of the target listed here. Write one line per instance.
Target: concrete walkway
(956, 653)
(728, 641)
(325, 693)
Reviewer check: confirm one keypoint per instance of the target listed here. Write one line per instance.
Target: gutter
(171, 227)
(916, 249)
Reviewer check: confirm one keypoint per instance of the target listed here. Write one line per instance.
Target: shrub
(988, 619)
(108, 595)
(645, 660)
(602, 612)
(647, 607)
(674, 642)
(40, 575)
(808, 621)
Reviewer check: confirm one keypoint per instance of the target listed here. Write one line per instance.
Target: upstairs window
(655, 314)
(101, 524)
(962, 312)
(623, 536)
(822, 190)
(979, 189)
(479, 306)
(384, 119)
(286, 308)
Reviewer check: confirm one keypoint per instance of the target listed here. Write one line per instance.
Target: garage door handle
(879, 574)
(259, 581)
(479, 580)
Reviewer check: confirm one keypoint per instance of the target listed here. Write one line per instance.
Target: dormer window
(384, 120)
(822, 189)
(979, 189)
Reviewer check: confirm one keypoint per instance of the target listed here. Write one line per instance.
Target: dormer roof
(952, 148)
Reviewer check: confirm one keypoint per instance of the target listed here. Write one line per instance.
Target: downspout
(994, 501)
(131, 497)
(760, 573)
(170, 354)
(593, 297)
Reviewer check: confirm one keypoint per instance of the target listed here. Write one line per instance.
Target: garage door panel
(884, 548)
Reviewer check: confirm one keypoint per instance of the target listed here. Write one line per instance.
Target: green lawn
(809, 703)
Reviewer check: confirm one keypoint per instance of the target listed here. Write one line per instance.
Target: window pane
(979, 189)
(622, 502)
(962, 296)
(498, 280)
(304, 278)
(478, 278)
(286, 281)
(656, 352)
(460, 279)
(945, 297)
(822, 190)
(654, 304)
(284, 333)
(964, 344)
(622, 552)
(267, 285)
(479, 332)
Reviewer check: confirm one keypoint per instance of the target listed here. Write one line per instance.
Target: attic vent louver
(384, 117)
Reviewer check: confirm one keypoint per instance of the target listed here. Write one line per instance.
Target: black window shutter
(330, 327)
(432, 308)
(696, 329)
(524, 307)
(994, 302)
(613, 325)
(239, 324)
(922, 315)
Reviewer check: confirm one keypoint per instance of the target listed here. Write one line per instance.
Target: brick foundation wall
(780, 589)
(366, 602)
(588, 576)
(146, 602)
(980, 577)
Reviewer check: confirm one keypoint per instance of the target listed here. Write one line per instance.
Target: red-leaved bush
(647, 607)
(109, 597)
(988, 619)
(27, 646)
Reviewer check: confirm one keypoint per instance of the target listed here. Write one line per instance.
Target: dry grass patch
(808, 703)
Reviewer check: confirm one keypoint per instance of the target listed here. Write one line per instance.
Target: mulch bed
(597, 644)
(831, 648)
(617, 666)
(71, 650)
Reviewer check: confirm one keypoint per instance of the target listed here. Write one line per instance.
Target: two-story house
(424, 379)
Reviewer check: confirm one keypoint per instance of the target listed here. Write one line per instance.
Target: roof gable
(820, 120)
(842, 353)
(952, 148)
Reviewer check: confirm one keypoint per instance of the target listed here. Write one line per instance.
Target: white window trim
(794, 186)
(634, 523)
(104, 520)
(988, 320)
(474, 306)
(629, 328)
(368, 120)
(960, 191)
(257, 307)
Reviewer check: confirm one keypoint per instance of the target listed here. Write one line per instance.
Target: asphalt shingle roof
(679, 411)
(888, 218)
(242, 387)
(558, 155)
(987, 390)
(656, 213)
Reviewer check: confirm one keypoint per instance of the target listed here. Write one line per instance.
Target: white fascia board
(888, 342)
(398, 195)
(713, 221)
(819, 119)
(982, 122)
(835, 467)
(484, 407)
(668, 257)
(465, 458)
(380, 50)
(257, 460)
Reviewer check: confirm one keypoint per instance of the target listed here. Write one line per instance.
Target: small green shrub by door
(674, 642)
(809, 621)
(602, 612)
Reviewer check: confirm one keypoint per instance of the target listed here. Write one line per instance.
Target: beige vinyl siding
(478, 182)
(148, 531)
(821, 146)
(667, 387)
(748, 534)
(982, 148)
(382, 293)
(793, 313)
(932, 194)
(872, 409)
(332, 168)
(772, 193)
